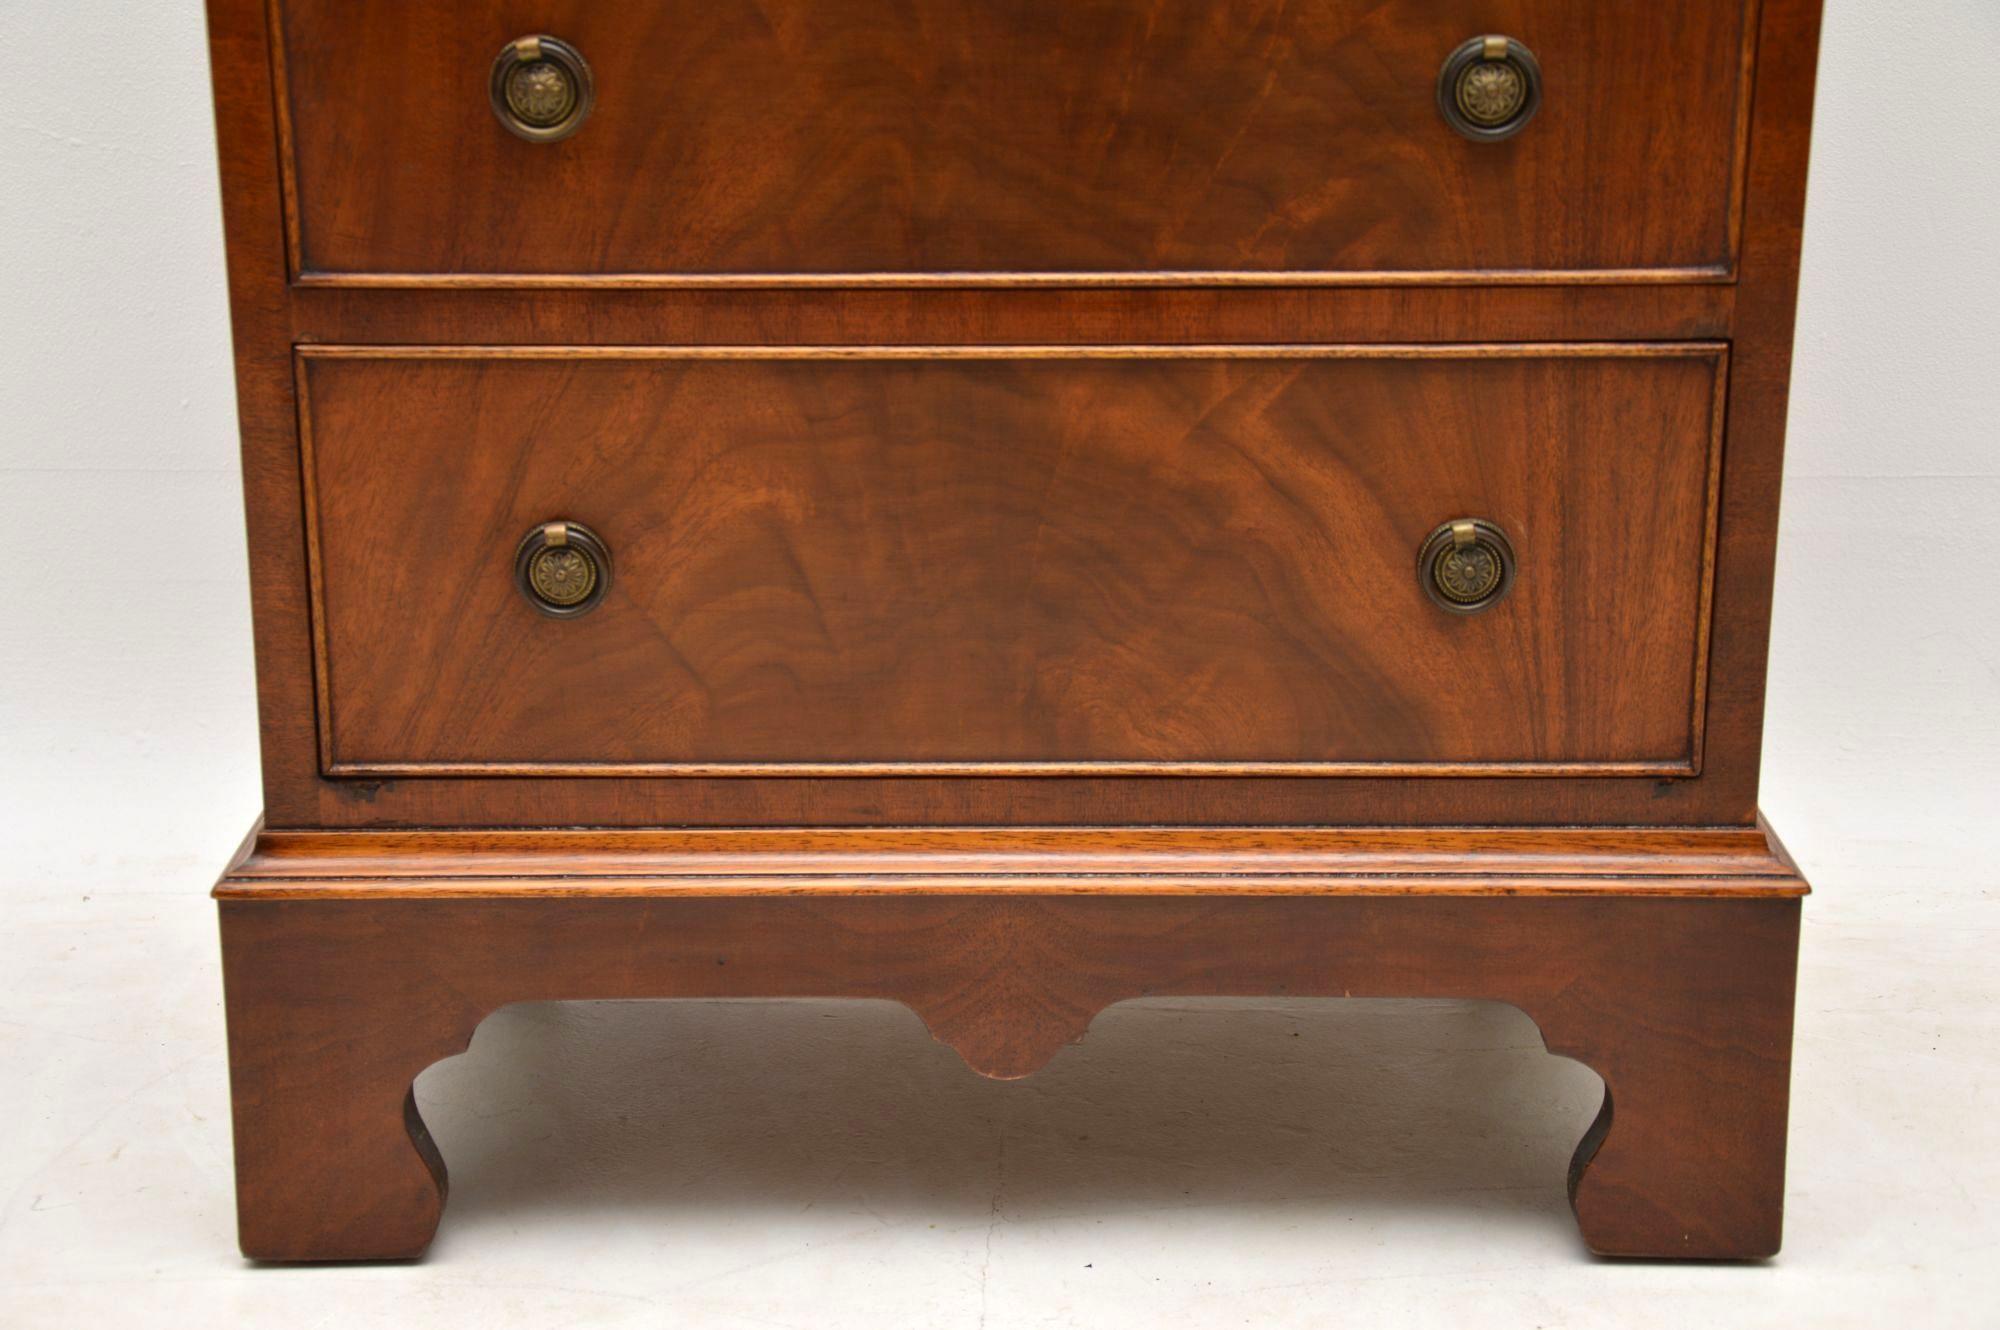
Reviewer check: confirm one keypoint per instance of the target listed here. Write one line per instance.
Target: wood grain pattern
(1728, 862)
(1759, 399)
(1015, 423)
(1003, 316)
(1043, 562)
(1683, 1007)
(268, 315)
(934, 142)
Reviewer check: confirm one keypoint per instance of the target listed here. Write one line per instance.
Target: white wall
(1882, 740)
(127, 731)
(127, 727)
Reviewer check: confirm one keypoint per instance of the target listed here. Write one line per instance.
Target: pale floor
(825, 1165)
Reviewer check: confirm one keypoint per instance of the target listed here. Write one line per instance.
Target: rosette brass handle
(563, 568)
(1490, 88)
(1466, 566)
(541, 89)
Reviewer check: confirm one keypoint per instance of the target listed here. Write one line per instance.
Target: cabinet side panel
(1760, 381)
(260, 318)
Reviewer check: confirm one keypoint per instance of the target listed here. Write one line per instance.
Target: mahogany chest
(1010, 506)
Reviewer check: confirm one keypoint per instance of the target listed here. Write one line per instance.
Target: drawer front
(970, 141)
(1023, 561)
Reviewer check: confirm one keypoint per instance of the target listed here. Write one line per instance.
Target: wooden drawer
(1011, 141)
(1019, 560)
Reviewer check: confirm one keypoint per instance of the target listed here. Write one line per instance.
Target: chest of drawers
(1008, 507)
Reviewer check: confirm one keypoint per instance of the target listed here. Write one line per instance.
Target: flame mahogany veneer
(1012, 428)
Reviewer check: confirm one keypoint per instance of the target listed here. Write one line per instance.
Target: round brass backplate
(1466, 566)
(541, 89)
(1490, 88)
(563, 568)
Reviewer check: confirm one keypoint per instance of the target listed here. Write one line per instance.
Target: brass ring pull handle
(1490, 88)
(1466, 566)
(541, 88)
(563, 568)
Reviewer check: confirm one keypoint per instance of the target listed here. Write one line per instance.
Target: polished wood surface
(1684, 1007)
(1010, 316)
(939, 562)
(790, 140)
(1754, 314)
(1740, 863)
(1015, 424)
